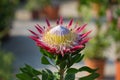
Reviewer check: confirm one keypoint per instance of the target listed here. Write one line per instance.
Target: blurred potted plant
(6, 59)
(114, 31)
(7, 9)
(42, 8)
(95, 8)
(95, 57)
(98, 7)
(52, 9)
(36, 7)
(84, 9)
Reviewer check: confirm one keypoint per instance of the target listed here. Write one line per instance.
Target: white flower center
(59, 30)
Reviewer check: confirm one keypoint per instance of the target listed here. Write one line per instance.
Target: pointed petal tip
(57, 21)
(83, 26)
(70, 23)
(48, 23)
(33, 32)
(79, 29)
(86, 34)
(39, 29)
(38, 25)
(85, 41)
(77, 47)
(61, 20)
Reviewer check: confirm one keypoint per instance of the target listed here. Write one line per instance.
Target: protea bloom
(60, 39)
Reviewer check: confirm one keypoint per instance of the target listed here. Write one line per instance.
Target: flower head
(60, 39)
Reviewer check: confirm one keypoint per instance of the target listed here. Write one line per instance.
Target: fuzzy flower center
(60, 36)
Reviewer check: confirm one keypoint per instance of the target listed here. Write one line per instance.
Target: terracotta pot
(52, 12)
(95, 9)
(97, 63)
(117, 64)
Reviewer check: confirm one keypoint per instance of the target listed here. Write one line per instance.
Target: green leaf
(77, 58)
(70, 77)
(44, 75)
(80, 58)
(74, 59)
(23, 76)
(28, 72)
(92, 76)
(72, 71)
(56, 76)
(36, 78)
(48, 75)
(60, 59)
(45, 53)
(63, 64)
(44, 60)
(77, 52)
(50, 72)
(85, 68)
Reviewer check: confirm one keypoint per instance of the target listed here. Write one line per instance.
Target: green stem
(61, 72)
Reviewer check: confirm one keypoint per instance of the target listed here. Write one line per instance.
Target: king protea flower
(60, 39)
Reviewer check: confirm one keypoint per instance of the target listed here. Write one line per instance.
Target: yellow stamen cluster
(58, 40)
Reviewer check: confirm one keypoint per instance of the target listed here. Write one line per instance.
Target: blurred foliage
(103, 2)
(4, 33)
(118, 12)
(6, 59)
(96, 47)
(7, 9)
(98, 44)
(85, 7)
(83, 2)
(84, 13)
(114, 31)
(37, 4)
(88, 2)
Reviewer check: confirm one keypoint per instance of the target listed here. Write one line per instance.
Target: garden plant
(60, 47)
